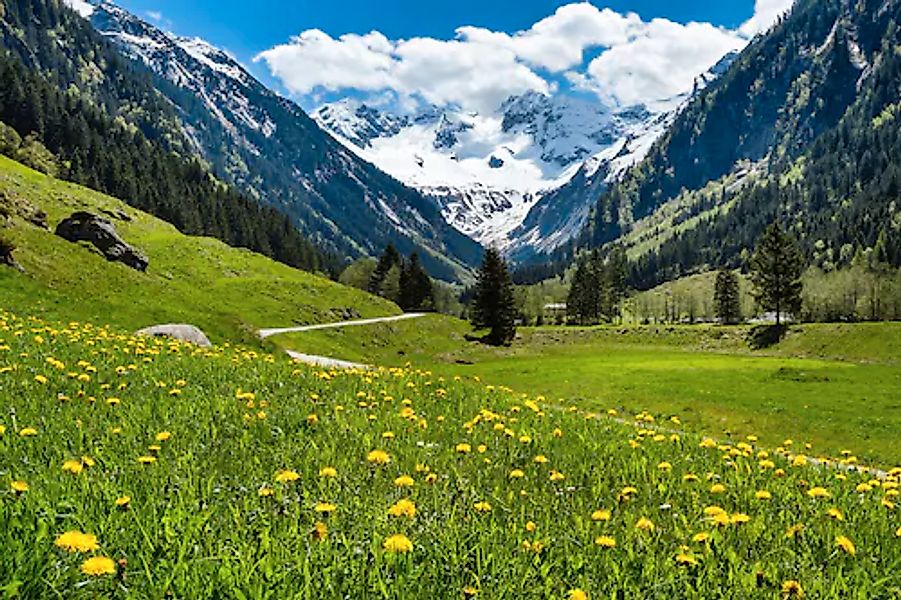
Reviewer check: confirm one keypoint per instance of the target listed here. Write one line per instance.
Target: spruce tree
(415, 285)
(617, 270)
(389, 258)
(578, 300)
(726, 297)
(493, 304)
(776, 269)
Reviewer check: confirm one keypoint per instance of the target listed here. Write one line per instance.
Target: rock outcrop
(101, 233)
(182, 332)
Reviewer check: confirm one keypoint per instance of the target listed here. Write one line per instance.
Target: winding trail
(325, 361)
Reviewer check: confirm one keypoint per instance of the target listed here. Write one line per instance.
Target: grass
(833, 386)
(228, 292)
(260, 482)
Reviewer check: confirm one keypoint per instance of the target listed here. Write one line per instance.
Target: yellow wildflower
(76, 541)
(644, 524)
(846, 544)
(378, 457)
(403, 508)
(98, 565)
(287, 476)
(792, 589)
(398, 543)
(404, 481)
(605, 541)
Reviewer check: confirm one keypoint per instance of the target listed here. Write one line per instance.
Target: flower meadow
(146, 468)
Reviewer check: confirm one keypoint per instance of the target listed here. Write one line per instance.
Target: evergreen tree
(493, 304)
(579, 299)
(415, 285)
(726, 297)
(776, 269)
(616, 272)
(389, 258)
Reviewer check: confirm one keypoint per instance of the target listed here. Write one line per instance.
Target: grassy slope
(196, 525)
(227, 292)
(832, 385)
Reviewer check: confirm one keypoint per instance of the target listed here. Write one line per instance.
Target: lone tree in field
(726, 298)
(415, 285)
(493, 304)
(776, 269)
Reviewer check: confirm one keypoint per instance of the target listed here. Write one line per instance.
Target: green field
(837, 387)
(136, 468)
(228, 292)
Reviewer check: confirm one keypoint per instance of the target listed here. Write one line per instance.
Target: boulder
(101, 233)
(182, 332)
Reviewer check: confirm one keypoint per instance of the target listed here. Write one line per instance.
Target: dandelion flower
(792, 589)
(717, 488)
(644, 524)
(325, 508)
(403, 508)
(482, 507)
(605, 541)
(794, 530)
(28, 432)
(541, 459)
(701, 537)
(818, 492)
(123, 501)
(517, 474)
(98, 565)
(328, 472)
(76, 541)
(739, 518)
(287, 476)
(319, 531)
(762, 495)
(18, 486)
(463, 448)
(600, 515)
(163, 436)
(398, 543)
(73, 466)
(556, 476)
(531, 526)
(846, 544)
(689, 477)
(686, 559)
(665, 466)
(146, 460)
(404, 481)
(577, 594)
(378, 457)
(265, 491)
(834, 513)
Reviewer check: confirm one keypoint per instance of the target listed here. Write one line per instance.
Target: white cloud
(640, 61)
(155, 15)
(81, 7)
(766, 12)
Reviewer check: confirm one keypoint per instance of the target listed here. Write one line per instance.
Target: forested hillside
(808, 115)
(109, 130)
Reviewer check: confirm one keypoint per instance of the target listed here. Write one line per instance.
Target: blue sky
(344, 56)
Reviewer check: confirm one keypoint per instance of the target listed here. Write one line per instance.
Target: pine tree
(493, 304)
(578, 300)
(615, 280)
(776, 269)
(726, 297)
(415, 285)
(389, 258)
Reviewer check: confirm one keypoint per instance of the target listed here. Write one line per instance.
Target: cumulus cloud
(638, 62)
(766, 12)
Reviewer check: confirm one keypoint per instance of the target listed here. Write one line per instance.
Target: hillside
(227, 292)
(269, 148)
(801, 127)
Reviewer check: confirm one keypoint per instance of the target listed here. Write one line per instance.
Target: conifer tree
(389, 258)
(616, 272)
(415, 285)
(726, 297)
(579, 299)
(493, 304)
(776, 269)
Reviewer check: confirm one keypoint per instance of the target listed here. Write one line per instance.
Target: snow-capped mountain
(488, 171)
(269, 147)
(523, 177)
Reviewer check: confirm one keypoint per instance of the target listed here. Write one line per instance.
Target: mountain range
(268, 147)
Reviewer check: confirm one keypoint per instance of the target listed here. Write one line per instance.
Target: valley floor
(833, 386)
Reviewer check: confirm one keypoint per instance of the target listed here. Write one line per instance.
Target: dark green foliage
(598, 287)
(814, 105)
(389, 258)
(493, 305)
(761, 337)
(726, 297)
(776, 269)
(6, 250)
(415, 285)
(102, 154)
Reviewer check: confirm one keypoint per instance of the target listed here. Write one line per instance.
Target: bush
(764, 336)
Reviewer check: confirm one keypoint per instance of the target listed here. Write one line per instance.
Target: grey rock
(182, 332)
(101, 233)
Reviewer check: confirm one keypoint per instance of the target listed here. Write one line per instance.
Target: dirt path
(325, 361)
